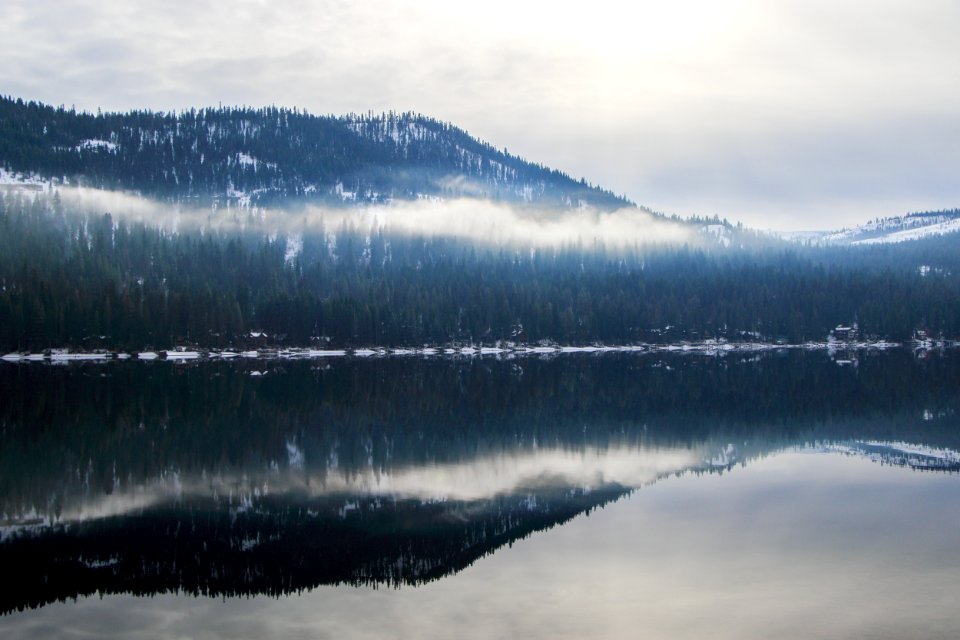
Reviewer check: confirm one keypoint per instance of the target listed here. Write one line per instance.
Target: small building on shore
(845, 333)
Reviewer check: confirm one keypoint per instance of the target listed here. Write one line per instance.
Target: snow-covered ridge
(913, 226)
(914, 233)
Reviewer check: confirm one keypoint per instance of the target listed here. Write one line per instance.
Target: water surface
(601, 496)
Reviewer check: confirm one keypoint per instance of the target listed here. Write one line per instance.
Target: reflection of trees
(71, 434)
(279, 546)
(82, 431)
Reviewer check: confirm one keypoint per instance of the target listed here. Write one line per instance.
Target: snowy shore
(705, 347)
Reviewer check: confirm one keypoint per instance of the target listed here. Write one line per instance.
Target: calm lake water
(618, 495)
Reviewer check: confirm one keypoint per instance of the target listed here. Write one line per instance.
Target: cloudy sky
(796, 114)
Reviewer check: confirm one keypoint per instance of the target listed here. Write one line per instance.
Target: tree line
(88, 280)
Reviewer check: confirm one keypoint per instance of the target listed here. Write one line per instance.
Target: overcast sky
(795, 114)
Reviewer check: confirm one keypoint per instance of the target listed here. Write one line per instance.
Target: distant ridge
(912, 226)
(270, 155)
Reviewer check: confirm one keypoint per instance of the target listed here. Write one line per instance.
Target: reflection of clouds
(479, 479)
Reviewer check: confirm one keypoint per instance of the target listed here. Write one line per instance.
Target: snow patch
(95, 144)
(295, 457)
(294, 247)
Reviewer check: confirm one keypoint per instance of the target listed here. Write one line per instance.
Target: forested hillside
(270, 155)
(70, 278)
(85, 274)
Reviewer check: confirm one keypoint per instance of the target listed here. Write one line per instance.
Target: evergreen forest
(273, 155)
(88, 276)
(89, 280)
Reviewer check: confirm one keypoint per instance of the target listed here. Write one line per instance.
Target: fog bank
(467, 219)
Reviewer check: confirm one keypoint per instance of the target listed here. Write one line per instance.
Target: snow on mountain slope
(912, 226)
(915, 233)
(17, 180)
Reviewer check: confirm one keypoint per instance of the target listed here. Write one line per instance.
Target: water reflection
(793, 545)
(148, 478)
(483, 478)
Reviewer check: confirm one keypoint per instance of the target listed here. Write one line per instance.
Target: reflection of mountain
(275, 546)
(279, 532)
(153, 478)
(258, 542)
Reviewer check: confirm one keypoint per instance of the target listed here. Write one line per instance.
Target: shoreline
(705, 347)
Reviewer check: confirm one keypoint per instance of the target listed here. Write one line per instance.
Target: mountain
(268, 155)
(894, 229)
(88, 270)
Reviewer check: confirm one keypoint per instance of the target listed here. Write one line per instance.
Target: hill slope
(262, 156)
(912, 226)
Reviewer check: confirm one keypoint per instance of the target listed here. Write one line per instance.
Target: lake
(788, 494)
